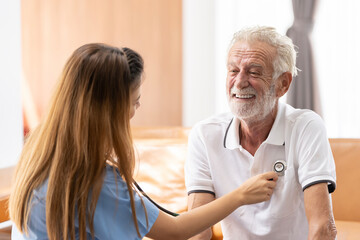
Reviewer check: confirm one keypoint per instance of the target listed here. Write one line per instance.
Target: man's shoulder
(302, 120)
(296, 115)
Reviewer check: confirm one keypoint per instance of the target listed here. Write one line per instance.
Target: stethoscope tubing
(176, 214)
(153, 202)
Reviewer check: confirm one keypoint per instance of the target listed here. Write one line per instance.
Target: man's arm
(319, 213)
(195, 200)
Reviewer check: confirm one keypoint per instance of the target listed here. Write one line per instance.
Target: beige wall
(52, 30)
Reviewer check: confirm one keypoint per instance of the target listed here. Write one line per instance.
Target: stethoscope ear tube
(153, 202)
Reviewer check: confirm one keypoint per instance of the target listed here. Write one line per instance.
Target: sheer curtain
(301, 92)
(336, 39)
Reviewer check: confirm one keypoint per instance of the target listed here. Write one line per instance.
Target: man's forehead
(260, 51)
(234, 63)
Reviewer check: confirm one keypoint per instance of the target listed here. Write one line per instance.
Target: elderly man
(262, 134)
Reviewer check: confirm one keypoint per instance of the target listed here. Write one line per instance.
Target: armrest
(4, 213)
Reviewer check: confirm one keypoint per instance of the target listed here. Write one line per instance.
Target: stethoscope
(279, 167)
(153, 202)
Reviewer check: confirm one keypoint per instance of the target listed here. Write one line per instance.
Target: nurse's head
(98, 94)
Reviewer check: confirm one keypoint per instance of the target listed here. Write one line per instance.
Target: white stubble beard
(253, 111)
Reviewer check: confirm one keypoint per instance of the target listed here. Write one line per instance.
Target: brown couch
(161, 154)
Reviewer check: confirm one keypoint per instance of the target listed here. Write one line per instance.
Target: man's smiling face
(249, 84)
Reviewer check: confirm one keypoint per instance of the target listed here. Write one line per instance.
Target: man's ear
(283, 84)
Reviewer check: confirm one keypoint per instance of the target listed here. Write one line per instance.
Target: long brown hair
(87, 123)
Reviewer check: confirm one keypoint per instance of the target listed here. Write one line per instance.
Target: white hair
(285, 60)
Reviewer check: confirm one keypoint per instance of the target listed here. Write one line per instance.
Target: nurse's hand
(258, 188)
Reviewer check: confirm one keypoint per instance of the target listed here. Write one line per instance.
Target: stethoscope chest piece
(280, 167)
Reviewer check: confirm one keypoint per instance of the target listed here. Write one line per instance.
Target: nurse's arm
(256, 189)
(319, 213)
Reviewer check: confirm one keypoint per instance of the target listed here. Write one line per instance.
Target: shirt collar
(231, 138)
(276, 135)
(277, 132)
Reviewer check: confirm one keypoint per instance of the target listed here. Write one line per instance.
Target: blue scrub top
(113, 216)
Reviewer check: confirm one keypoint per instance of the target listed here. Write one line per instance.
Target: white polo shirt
(218, 164)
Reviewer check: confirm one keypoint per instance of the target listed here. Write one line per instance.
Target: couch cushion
(346, 197)
(348, 230)
(160, 132)
(160, 171)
